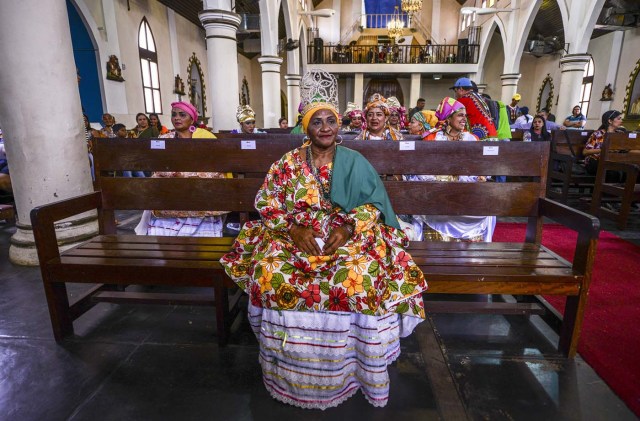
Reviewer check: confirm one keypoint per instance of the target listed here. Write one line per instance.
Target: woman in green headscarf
(331, 287)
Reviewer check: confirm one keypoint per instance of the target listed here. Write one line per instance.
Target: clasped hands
(305, 239)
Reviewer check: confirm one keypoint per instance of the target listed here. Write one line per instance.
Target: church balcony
(393, 59)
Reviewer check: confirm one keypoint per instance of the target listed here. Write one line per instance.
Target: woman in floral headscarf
(356, 121)
(397, 114)
(377, 118)
(422, 121)
(331, 286)
(452, 127)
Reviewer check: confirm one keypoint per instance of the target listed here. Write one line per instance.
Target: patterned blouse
(370, 274)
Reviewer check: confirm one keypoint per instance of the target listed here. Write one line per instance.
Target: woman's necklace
(325, 190)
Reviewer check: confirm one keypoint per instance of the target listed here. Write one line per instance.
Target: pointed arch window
(587, 85)
(149, 68)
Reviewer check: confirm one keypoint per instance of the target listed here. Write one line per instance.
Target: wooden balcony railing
(377, 54)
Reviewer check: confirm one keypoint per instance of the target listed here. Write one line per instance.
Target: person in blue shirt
(576, 120)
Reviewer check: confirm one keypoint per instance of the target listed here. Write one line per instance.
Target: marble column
(38, 78)
(293, 95)
(222, 59)
(358, 90)
(509, 86)
(481, 87)
(572, 68)
(270, 89)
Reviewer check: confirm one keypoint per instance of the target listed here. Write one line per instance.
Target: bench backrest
(517, 159)
(621, 148)
(299, 137)
(570, 142)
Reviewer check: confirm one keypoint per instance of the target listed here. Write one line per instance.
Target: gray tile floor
(163, 363)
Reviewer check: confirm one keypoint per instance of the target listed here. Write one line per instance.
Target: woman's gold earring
(306, 142)
(340, 139)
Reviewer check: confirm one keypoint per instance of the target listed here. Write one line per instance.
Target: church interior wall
(426, 18)
(433, 91)
(493, 66)
(449, 22)
(95, 8)
(250, 68)
(534, 70)
(628, 59)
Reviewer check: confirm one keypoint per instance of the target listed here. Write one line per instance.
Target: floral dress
(344, 313)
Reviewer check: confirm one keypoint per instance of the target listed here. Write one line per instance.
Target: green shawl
(355, 183)
(503, 129)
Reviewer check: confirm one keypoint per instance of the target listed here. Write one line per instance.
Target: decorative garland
(626, 107)
(193, 60)
(549, 103)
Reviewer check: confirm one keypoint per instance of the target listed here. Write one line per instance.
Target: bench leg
(58, 303)
(222, 313)
(572, 324)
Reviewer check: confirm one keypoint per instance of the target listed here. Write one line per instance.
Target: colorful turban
(427, 118)
(244, 113)
(447, 107)
(394, 105)
(517, 97)
(353, 110)
(187, 108)
(377, 101)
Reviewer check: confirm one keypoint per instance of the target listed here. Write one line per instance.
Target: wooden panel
(483, 308)
(180, 193)
(531, 287)
(226, 155)
(442, 198)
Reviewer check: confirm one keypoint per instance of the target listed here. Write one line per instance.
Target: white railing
(374, 21)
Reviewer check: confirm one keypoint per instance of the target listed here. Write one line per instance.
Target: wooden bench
(566, 157)
(7, 213)
(521, 268)
(621, 153)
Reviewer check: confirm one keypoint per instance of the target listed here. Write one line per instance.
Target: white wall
(252, 71)
(493, 65)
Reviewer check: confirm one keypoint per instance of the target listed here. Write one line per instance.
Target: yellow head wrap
(244, 113)
(311, 109)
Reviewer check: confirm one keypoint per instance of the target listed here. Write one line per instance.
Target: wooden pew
(621, 153)
(566, 165)
(521, 268)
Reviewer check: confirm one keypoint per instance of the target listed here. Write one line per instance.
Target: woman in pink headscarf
(452, 127)
(183, 223)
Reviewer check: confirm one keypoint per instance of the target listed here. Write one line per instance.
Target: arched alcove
(387, 87)
(197, 90)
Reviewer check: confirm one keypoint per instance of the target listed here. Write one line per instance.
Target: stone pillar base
(69, 233)
(509, 86)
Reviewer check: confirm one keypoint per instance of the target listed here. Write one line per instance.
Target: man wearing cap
(513, 108)
(478, 113)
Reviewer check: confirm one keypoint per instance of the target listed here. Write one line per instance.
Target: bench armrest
(43, 220)
(587, 227)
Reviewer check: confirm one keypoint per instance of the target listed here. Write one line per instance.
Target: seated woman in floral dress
(331, 288)
(183, 223)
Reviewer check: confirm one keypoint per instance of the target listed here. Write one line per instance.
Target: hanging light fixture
(411, 6)
(395, 26)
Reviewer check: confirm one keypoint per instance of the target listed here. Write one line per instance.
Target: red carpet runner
(610, 339)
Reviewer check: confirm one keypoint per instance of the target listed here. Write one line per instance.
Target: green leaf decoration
(258, 272)
(366, 282)
(407, 289)
(324, 287)
(301, 193)
(393, 286)
(402, 308)
(368, 312)
(287, 268)
(277, 280)
(340, 276)
(261, 204)
(374, 268)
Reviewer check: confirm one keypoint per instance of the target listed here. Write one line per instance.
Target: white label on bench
(157, 144)
(407, 145)
(247, 144)
(633, 135)
(490, 150)
(513, 130)
(584, 133)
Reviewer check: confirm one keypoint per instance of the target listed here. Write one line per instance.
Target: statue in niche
(607, 93)
(244, 91)
(113, 69)
(178, 87)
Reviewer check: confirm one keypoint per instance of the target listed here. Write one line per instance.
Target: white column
(572, 70)
(481, 87)
(270, 89)
(612, 72)
(175, 52)
(222, 59)
(509, 86)
(115, 93)
(293, 95)
(358, 90)
(38, 79)
(435, 24)
(414, 90)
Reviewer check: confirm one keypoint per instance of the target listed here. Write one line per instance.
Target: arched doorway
(387, 87)
(85, 55)
(197, 91)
